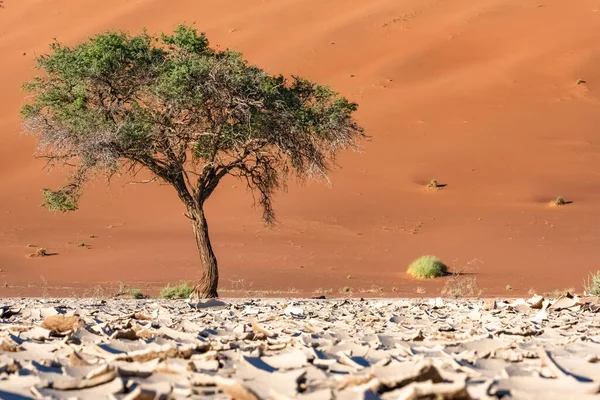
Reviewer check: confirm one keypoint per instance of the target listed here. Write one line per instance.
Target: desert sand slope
(480, 95)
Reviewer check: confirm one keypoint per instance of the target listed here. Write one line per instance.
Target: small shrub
(556, 293)
(592, 286)
(373, 289)
(128, 292)
(580, 81)
(560, 201)
(41, 252)
(459, 286)
(98, 291)
(427, 267)
(433, 184)
(508, 288)
(345, 289)
(181, 291)
(61, 200)
(136, 293)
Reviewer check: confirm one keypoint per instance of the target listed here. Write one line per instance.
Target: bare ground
(306, 349)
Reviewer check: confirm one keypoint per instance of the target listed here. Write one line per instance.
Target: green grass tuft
(60, 200)
(136, 293)
(592, 286)
(180, 291)
(427, 267)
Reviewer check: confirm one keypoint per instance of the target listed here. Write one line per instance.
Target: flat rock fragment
(60, 324)
(565, 302)
(234, 389)
(113, 387)
(287, 360)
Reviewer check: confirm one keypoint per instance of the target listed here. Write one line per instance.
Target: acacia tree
(186, 112)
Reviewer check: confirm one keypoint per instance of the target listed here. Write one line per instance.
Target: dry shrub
(559, 202)
(124, 291)
(460, 286)
(98, 292)
(41, 252)
(556, 293)
(373, 289)
(592, 286)
(433, 184)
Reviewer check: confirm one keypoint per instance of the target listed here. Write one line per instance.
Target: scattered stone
(489, 304)
(565, 302)
(60, 324)
(536, 302)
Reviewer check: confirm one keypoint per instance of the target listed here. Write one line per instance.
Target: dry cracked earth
(305, 349)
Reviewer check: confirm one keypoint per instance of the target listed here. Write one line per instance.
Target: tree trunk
(206, 288)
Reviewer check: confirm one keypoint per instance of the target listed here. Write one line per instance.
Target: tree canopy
(188, 113)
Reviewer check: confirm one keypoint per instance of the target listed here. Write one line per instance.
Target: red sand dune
(480, 95)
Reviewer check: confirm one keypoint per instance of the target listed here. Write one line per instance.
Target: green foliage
(62, 200)
(427, 267)
(187, 41)
(180, 291)
(592, 286)
(120, 103)
(136, 293)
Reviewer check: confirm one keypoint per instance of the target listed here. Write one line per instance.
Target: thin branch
(142, 181)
